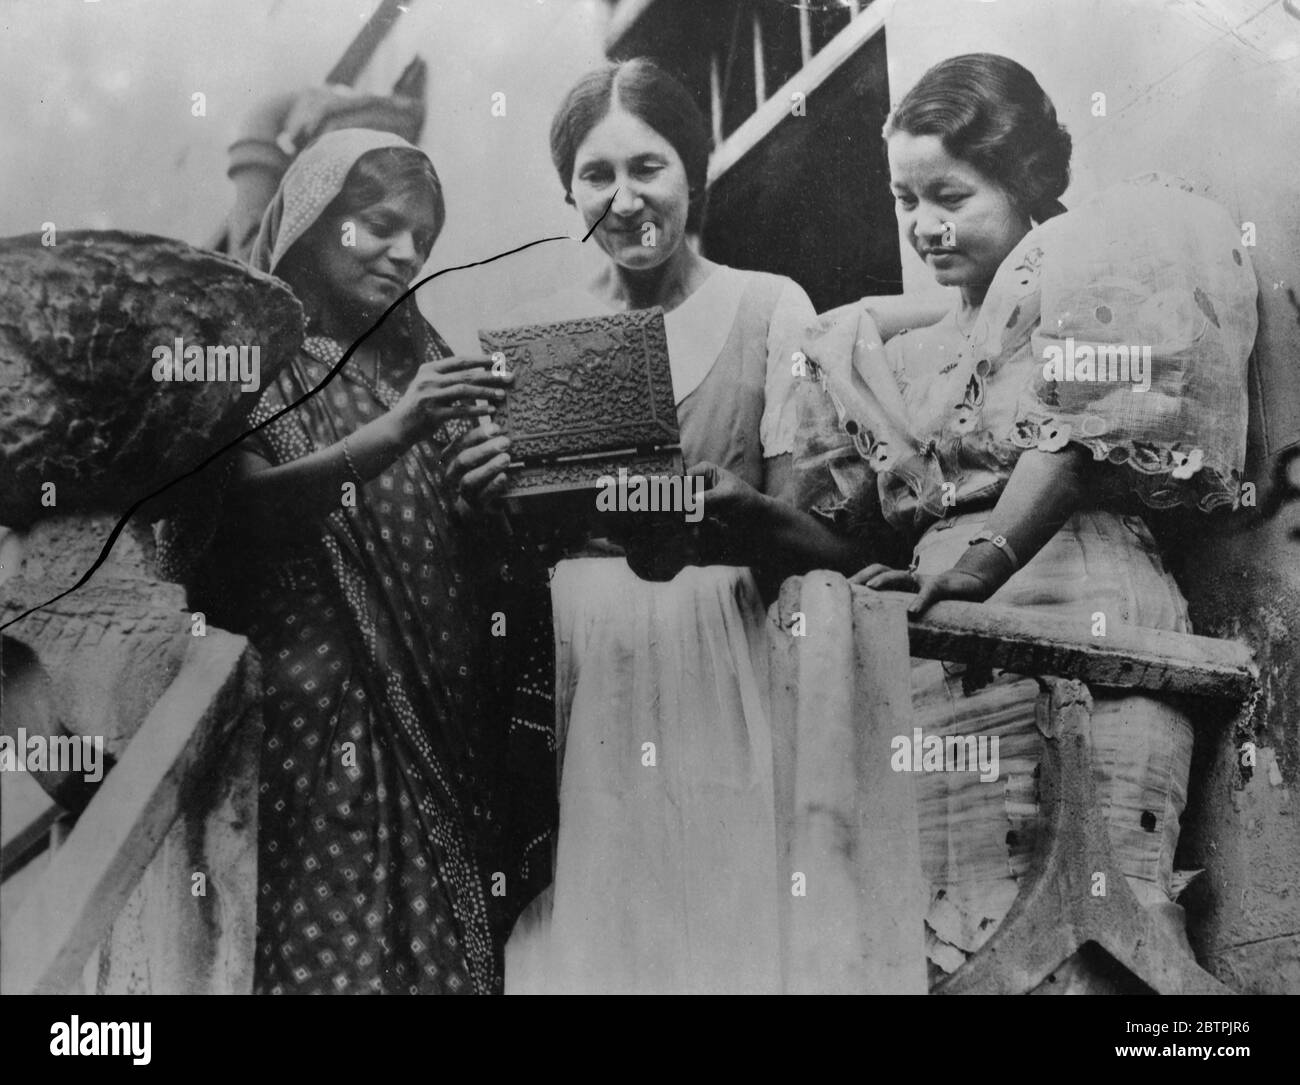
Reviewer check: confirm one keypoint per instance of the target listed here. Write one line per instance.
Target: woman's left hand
(727, 498)
(950, 584)
(478, 462)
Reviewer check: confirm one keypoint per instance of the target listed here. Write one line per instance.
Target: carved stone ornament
(80, 405)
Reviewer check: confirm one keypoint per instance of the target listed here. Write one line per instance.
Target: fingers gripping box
(590, 396)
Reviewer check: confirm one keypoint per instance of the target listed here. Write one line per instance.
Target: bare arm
(767, 530)
(1045, 489)
(284, 500)
(893, 313)
(790, 541)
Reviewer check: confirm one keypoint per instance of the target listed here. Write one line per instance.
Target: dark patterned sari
(400, 785)
(407, 792)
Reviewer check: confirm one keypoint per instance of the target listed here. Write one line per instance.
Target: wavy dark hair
(649, 93)
(384, 171)
(990, 111)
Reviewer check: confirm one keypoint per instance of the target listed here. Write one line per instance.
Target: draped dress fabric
(930, 426)
(977, 837)
(665, 876)
(372, 635)
(402, 740)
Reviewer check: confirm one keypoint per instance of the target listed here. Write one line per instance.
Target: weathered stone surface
(78, 325)
(844, 818)
(180, 935)
(95, 662)
(1242, 823)
(1156, 660)
(176, 763)
(99, 663)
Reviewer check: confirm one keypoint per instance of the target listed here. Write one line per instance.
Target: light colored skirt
(666, 859)
(667, 877)
(977, 838)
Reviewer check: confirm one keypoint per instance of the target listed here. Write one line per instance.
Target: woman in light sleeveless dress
(665, 875)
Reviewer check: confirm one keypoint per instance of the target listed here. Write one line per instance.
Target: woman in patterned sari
(381, 817)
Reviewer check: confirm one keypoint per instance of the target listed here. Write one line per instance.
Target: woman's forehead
(411, 202)
(924, 161)
(620, 134)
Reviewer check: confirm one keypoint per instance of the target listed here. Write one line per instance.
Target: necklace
(375, 384)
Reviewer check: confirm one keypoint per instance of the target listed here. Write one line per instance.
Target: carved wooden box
(590, 396)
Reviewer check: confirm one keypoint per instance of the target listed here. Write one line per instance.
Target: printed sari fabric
(406, 797)
(406, 794)
(371, 640)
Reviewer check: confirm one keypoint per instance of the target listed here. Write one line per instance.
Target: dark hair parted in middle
(990, 111)
(388, 171)
(642, 88)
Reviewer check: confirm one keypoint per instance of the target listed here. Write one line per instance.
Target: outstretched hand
(929, 588)
(727, 498)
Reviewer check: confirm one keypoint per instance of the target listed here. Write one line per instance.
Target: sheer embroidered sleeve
(1142, 303)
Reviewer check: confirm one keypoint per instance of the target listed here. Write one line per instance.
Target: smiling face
(959, 222)
(393, 238)
(624, 153)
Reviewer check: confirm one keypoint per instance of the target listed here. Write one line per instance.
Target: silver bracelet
(1000, 541)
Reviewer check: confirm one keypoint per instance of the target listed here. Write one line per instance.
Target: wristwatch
(1000, 541)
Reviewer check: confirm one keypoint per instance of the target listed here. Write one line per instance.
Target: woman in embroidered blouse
(665, 874)
(1017, 449)
(1093, 367)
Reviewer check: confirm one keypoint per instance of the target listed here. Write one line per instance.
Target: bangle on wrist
(1000, 541)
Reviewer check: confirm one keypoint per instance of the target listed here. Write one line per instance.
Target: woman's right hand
(930, 588)
(445, 389)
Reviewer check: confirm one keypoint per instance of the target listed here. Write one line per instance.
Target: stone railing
(155, 887)
(849, 821)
